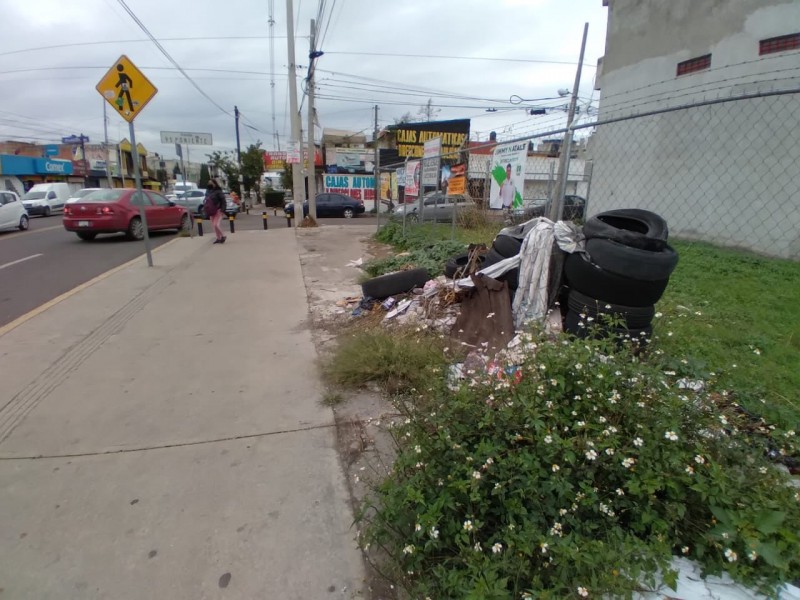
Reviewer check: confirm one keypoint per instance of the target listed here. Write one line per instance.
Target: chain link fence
(725, 171)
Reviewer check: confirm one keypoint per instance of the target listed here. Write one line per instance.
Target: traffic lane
(18, 244)
(65, 263)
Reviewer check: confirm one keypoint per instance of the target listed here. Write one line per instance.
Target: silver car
(436, 207)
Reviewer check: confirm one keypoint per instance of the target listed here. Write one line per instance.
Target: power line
(449, 57)
(169, 58)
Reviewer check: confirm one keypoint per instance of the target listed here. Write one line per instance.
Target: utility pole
(239, 156)
(557, 201)
(296, 143)
(105, 146)
(312, 182)
(376, 167)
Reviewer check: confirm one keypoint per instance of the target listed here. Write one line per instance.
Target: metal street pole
(557, 201)
(377, 171)
(85, 162)
(137, 176)
(297, 143)
(312, 182)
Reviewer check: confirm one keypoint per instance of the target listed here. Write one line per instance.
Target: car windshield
(34, 196)
(104, 196)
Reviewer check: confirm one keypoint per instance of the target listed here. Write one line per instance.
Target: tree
(224, 162)
(286, 177)
(204, 176)
(406, 118)
(253, 167)
(427, 111)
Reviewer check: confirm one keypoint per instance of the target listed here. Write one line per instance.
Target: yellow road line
(51, 303)
(11, 236)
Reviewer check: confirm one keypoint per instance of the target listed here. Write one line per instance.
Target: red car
(117, 210)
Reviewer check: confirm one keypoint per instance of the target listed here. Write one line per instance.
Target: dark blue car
(331, 205)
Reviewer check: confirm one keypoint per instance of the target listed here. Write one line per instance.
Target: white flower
(723, 420)
(591, 455)
(434, 533)
(408, 549)
(628, 462)
(638, 442)
(543, 547)
(699, 459)
(476, 474)
(562, 511)
(580, 423)
(468, 525)
(690, 470)
(578, 366)
(671, 435)
(555, 468)
(658, 315)
(548, 439)
(731, 555)
(489, 461)
(582, 592)
(685, 549)
(620, 492)
(556, 529)
(763, 470)
(602, 419)
(477, 547)
(753, 555)
(789, 433)
(497, 548)
(756, 351)
(417, 527)
(554, 382)
(497, 486)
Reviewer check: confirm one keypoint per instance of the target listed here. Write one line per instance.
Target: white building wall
(726, 173)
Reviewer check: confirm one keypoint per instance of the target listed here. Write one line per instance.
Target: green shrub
(273, 198)
(432, 256)
(585, 471)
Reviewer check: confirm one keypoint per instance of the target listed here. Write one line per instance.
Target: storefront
(32, 170)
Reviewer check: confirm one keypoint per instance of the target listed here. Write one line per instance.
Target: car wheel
(636, 263)
(635, 317)
(135, 229)
(588, 278)
(394, 283)
(86, 236)
(186, 224)
(47, 212)
(630, 226)
(24, 223)
(348, 213)
(413, 217)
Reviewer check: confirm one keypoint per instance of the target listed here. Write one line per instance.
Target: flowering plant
(582, 477)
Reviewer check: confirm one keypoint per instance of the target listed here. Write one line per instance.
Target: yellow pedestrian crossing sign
(126, 88)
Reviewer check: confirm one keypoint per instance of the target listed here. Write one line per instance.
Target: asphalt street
(46, 261)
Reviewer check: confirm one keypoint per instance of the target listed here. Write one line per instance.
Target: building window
(781, 43)
(701, 63)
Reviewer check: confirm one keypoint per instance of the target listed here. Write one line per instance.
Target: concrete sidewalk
(161, 436)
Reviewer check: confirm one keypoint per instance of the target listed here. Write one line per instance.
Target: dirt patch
(363, 419)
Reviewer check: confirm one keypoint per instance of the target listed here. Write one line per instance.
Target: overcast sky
(55, 52)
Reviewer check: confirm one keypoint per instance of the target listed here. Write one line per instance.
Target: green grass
(749, 317)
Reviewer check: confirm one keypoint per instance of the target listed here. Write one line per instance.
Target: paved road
(46, 261)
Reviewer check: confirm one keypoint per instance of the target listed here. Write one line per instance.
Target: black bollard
(264, 217)
(230, 221)
(199, 221)
(288, 221)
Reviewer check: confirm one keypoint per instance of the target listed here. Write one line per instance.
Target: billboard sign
(431, 152)
(411, 137)
(413, 172)
(360, 187)
(508, 175)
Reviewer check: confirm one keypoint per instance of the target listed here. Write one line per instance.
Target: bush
(583, 472)
(431, 256)
(273, 198)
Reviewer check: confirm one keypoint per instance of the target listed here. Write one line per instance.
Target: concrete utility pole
(377, 171)
(312, 183)
(297, 168)
(239, 157)
(105, 146)
(557, 201)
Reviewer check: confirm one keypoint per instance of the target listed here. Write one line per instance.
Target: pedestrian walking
(214, 206)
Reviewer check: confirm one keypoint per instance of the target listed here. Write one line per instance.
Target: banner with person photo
(508, 175)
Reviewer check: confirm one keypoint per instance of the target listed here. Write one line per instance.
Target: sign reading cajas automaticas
(411, 137)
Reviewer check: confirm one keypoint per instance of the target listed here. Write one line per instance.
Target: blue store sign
(29, 165)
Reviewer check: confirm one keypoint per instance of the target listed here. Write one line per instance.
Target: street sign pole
(137, 176)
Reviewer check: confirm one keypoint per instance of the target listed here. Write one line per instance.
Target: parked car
(46, 198)
(331, 205)
(574, 209)
(12, 212)
(191, 201)
(436, 206)
(80, 194)
(117, 210)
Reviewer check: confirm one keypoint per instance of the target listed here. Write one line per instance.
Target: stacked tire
(503, 246)
(614, 286)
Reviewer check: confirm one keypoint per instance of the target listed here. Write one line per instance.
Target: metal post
(105, 146)
(85, 162)
(377, 171)
(312, 182)
(231, 219)
(297, 176)
(405, 183)
(264, 217)
(183, 168)
(557, 201)
(137, 176)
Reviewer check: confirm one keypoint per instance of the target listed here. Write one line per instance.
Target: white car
(12, 213)
(77, 196)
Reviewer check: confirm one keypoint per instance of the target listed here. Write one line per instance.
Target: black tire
(590, 279)
(47, 212)
(135, 229)
(86, 236)
(511, 277)
(492, 257)
(630, 226)
(394, 283)
(636, 263)
(348, 213)
(24, 223)
(507, 246)
(458, 263)
(635, 317)
(186, 223)
(573, 321)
